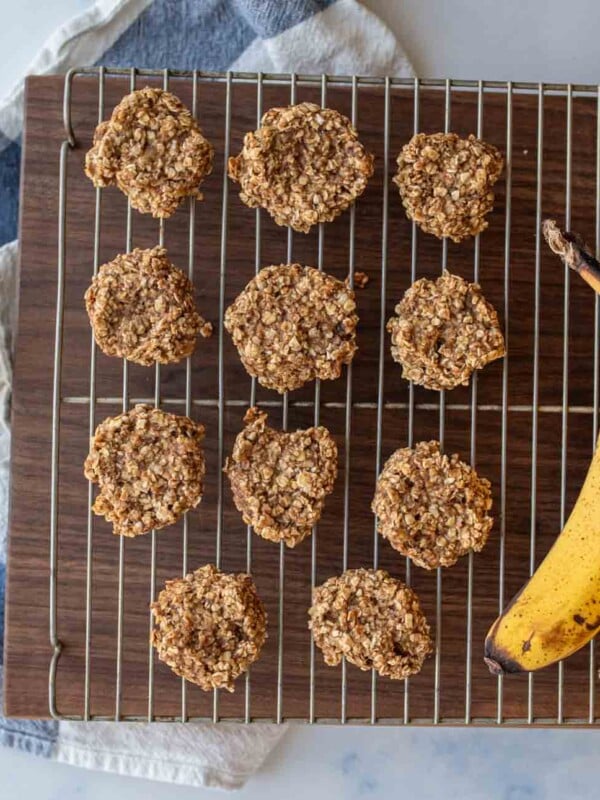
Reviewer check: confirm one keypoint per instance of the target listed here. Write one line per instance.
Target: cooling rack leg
(91, 427)
(56, 384)
(67, 121)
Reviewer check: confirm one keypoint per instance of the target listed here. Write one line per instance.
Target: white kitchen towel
(331, 36)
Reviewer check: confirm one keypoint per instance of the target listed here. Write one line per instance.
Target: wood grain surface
(28, 652)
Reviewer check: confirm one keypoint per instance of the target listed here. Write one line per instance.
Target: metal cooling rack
(448, 87)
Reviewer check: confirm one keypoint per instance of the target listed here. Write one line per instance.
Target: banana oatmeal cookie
(292, 324)
(209, 626)
(443, 330)
(141, 307)
(371, 619)
(432, 507)
(280, 480)
(149, 465)
(304, 165)
(446, 183)
(153, 150)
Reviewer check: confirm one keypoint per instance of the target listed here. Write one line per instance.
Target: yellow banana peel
(558, 610)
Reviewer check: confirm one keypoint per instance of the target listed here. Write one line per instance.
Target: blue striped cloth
(333, 36)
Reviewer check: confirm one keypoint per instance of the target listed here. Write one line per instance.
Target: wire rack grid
(473, 407)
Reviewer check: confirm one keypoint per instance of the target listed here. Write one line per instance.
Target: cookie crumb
(361, 279)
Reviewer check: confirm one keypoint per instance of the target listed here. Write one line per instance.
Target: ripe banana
(558, 611)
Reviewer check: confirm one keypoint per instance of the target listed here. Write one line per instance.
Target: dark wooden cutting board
(28, 652)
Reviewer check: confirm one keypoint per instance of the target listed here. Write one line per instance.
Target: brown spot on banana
(526, 646)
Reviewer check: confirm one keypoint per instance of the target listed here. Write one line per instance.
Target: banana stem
(574, 252)
(494, 667)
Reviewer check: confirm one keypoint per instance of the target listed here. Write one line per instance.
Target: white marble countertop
(370, 764)
(510, 40)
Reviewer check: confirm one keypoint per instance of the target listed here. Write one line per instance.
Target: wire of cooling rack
(221, 406)
(188, 378)
(348, 409)
(596, 390)
(281, 79)
(536, 362)
(91, 428)
(473, 457)
(221, 403)
(315, 534)
(565, 377)
(381, 357)
(284, 427)
(504, 440)
(257, 262)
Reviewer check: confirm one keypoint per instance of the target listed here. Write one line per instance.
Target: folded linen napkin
(311, 36)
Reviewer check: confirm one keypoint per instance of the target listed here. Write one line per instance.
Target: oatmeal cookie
(209, 626)
(149, 465)
(446, 183)
(443, 330)
(280, 480)
(432, 507)
(153, 150)
(292, 324)
(371, 619)
(142, 308)
(304, 165)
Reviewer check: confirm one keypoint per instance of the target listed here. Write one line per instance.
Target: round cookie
(292, 324)
(372, 620)
(209, 626)
(141, 307)
(446, 183)
(153, 150)
(149, 465)
(443, 330)
(432, 507)
(280, 480)
(304, 165)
